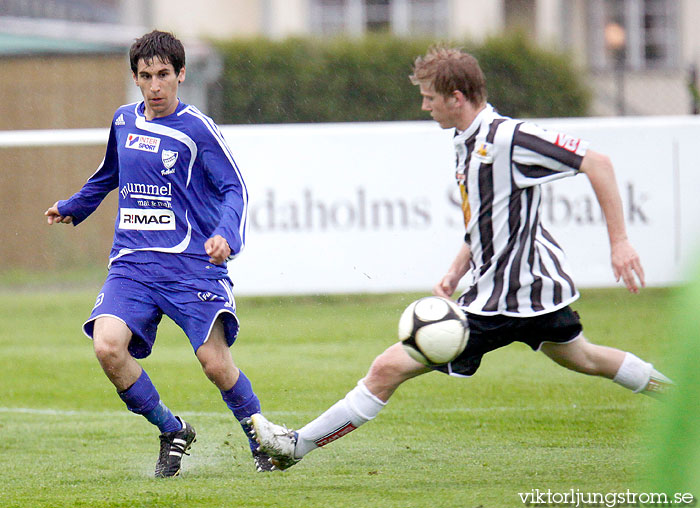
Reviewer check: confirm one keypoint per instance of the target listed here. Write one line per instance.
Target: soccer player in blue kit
(182, 216)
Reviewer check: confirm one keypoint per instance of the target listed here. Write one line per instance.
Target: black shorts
(487, 333)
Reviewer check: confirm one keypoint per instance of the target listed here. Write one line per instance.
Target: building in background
(638, 56)
(645, 71)
(64, 65)
(49, 49)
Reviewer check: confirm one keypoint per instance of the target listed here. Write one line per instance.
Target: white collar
(476, 123)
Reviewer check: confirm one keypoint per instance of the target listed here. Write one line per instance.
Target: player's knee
(585, 365)
(212, 368)
(109, 349)
(581, 360)
(218, 368)
(594, 359)
(385, 370)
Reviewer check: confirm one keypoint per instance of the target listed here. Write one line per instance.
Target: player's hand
(446, 287)
(626, 264)
(53, 216)
(218, 249)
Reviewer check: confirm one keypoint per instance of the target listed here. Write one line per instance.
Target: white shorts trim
(561, 343)
(91, 320)
(213, 321)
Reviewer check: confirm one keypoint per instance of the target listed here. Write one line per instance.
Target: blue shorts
(194, 305)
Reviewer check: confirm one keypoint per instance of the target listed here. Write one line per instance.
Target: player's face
(158, 83)
(443, 109)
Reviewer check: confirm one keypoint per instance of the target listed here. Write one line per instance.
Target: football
(433, 330)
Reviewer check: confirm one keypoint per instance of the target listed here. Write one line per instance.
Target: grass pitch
(521, 423)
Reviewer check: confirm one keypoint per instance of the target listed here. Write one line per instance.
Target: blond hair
(447, 70)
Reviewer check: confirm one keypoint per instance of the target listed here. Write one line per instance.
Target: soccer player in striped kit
(520, 289)
(182, 215)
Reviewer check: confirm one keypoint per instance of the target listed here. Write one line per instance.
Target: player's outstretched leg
(641, 377)
(361, 404)
(276, 441)
(286, 447)
(621, 367)
(173, 445)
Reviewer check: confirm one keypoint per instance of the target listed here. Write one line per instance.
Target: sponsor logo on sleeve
(567, 142)
(146, 219)
(120, 120)
(144, 143)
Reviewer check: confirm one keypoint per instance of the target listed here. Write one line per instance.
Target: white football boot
(275, 440)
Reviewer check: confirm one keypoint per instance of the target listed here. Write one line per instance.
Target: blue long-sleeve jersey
(178, 186)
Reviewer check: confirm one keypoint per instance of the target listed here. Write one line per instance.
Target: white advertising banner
(357, 207)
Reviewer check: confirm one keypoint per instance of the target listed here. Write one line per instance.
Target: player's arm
(625, 260)
(459, 267)
(228, 238)
(79, 206)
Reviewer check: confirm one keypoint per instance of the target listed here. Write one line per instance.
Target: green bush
(340, 80)
(526, 82)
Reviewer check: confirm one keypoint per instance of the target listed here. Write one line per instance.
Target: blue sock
(243, 403)
(142, 398)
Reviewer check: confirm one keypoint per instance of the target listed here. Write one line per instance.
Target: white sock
(634, 373)
(357, 408)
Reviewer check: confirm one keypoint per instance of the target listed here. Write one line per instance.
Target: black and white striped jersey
(517, 267)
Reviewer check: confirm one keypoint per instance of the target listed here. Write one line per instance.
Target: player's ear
(136, 80)
(181, 75)
(459, 98)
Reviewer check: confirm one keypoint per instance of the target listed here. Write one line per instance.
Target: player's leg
(205, 310)
(122, 307)
(111, 338)
(622, 367)
(389, 370)
(235, 387)
(362, 404)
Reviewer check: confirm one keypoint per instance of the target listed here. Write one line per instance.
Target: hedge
(340, 80)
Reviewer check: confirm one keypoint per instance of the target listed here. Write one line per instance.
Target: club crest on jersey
(144, 143)
(484, 153)
(169, 159)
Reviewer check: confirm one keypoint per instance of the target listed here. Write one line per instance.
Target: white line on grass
(224, 414)
(82, 412)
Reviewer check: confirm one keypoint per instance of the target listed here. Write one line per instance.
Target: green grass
(521, 423)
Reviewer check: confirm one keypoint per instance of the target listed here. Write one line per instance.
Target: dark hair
(163, 45)
(449, 69)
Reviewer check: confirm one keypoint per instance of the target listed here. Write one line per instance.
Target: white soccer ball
(433, 330)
